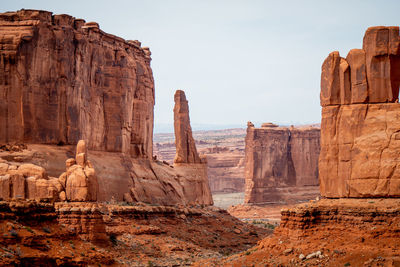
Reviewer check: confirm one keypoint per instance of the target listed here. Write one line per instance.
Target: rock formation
(187, 161)
(63, 80)
(27, 181)
(186, 151)
(79, 180)
(281, 162)
(359, 129)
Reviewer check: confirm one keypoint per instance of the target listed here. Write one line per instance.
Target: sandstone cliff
(281, 162)
(359, 129)
(64, 80)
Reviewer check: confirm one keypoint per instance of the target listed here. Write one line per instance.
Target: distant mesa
(281, 164)
(268, 125)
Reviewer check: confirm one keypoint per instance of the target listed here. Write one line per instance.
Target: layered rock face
(360, 129)
(27, 181)
(225, 170)
(280, 162)
(62, 80)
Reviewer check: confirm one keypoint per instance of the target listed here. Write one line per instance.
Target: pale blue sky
(236, 60)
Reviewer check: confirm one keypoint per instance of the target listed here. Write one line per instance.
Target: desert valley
(85, 181)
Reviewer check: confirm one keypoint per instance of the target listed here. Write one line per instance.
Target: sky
(237, 61)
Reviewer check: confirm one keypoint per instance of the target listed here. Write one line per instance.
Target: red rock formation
(27, 181)
(186, 151)
(62, 80)
(80, 180)
(280, 162)
(187, 161)
(359, 138)
(330, 232)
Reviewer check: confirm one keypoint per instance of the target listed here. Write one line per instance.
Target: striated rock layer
(360, 129)
(331, 232)
(63, 80)
(281, 162)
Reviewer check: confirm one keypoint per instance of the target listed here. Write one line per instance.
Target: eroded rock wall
(280, 162)
(62, 80)
(359, 128)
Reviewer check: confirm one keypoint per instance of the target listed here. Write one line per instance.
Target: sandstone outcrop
(367, 75)
(187, 161)
(27, 181)
(62, 80)
(330, 232)
(359, 135)
(186, 151)
(281, 162)
(79, 180)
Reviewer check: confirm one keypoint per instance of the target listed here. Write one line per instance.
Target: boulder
(29, 169)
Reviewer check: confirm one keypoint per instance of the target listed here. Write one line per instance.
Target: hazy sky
(236, 60)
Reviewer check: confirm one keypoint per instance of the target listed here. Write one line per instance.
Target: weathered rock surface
(367, 75)
(278, 158)
(359, 143)
(62, 80)
(187, 161)
(352, 232)
(27, 181)
(80, 179)
(186, 151)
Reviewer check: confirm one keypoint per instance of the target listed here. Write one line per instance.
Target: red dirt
(32, 234)
(347, 232)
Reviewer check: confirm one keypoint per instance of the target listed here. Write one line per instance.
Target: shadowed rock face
(278, 158)
(186, 151)
(359, 134)
(62, 80)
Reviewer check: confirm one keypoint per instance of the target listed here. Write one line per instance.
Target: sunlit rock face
(360, 129)
(62, 80)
